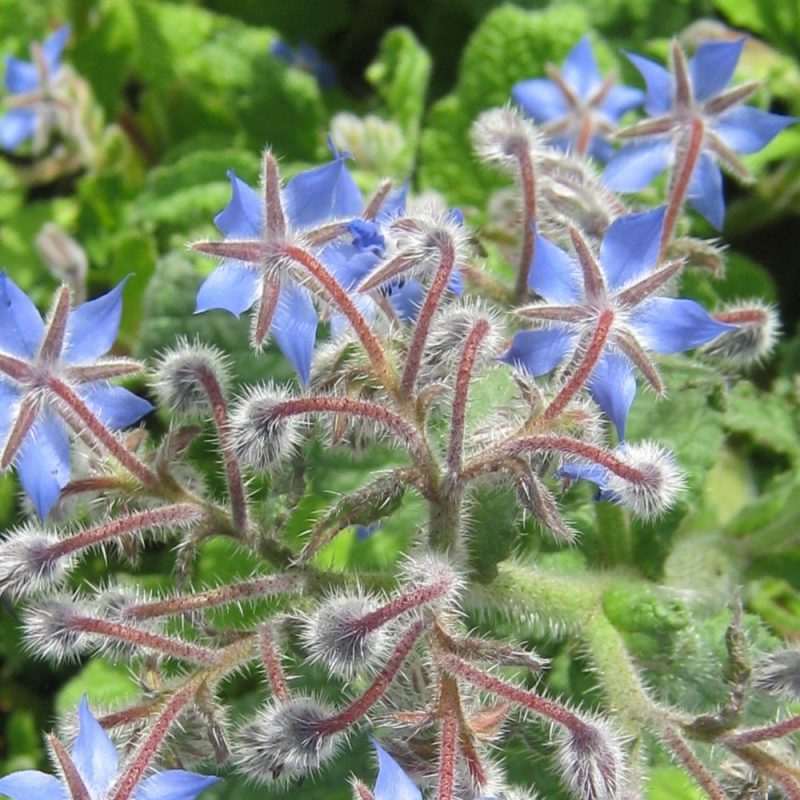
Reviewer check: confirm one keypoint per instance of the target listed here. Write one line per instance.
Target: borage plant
(418, 331)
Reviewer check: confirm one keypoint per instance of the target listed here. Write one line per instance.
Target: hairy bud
(377, 145)
(283, 741)
(50, 631)
(27, 564)
(262, 439)
(178, 379)
(500, 134)
(779, 674)
(591, 760)
(757, 330)
(333, 637)
(426, 569)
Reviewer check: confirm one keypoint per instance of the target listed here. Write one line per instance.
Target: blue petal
(230, 286)
(669, 325)
(600, 150)
(116, 407)
(539, 352)
(21, 326)
(323, 193)
(392, 782)
(630, 246)
(747, 130)
(553, 273)
(21, 76)
(633, 167)
(658, 99)
(713, 66)
(406, 299)
(242, 218)
(282, 50)
(173, 784)
(620, 100)
(294, 327)
(456, 283)
(366, 235)
(580, 68)
(94, 753)
(595, 473)
(17, 126)
(394, 205)
(32, 785)
(348, 264)
(540, 99)
(92, 327)
(9, 395)
(613, 387)
(43, 462)
(53, 46)
(705, 191)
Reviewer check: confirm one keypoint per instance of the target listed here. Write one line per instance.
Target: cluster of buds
(416, 326)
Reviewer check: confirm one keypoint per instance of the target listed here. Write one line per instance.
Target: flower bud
(27, 565)
(426, 569)
(498, 136)
(283, 741)
(591, 760)
(333, 637)
(377, 145)
(179, 377)
(261, 438)
(49, 628)
(779, 674)
(757, 329)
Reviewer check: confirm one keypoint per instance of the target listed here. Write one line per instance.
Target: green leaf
(494, 526)
(400, 75)
(671, 783)
(103, 683)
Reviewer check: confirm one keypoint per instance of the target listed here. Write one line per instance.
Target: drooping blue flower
(578, 108)
(69, 347)
(694, 94)
(623, 280)
(392, 782)
(307, 58)
(95, 759)
(30, 87)
(310, 199)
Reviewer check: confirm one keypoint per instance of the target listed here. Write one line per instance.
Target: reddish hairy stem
(153, 518)
(679, 186)
(341, 298)
(584, 135)
(27, 412)
(233, 472)
(463, 376)
(146, 751)
(448, 749)
(270, 294)
(221, 595)
(527, 179)
(684, 753)
(185, 651)
(521, 697)
(77, 788)
(101, 433)
(579, 377)
(765, 732)
(426, 314)
(271, 661)
(348, 716)
(362, 792)
(742, 316)
(401, 604)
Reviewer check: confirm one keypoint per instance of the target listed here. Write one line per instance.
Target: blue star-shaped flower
(392, 782)
(576, 106)
(67, 348)
(621, 284)
(254, 224)
(692, 101)
(94, 763)
(30, 87)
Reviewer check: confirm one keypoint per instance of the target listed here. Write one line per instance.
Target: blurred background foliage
(189, 90)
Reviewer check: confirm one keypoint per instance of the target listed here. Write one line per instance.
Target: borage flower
(30, 85)
(41, 366)
(90, 772)
(605, 313)
(392, 782)
(697, 124)
(577, 107)
(257, 229)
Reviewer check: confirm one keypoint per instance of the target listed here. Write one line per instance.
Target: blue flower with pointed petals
(392, 782)
(95, 762)
(310, 199)
(692, 103)
(30, 85)
(69, 348)
(576, 106)
(621, 283)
